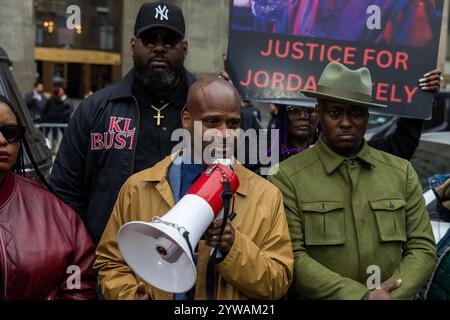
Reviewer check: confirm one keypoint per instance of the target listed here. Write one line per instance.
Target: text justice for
(298, 50)
(263, 79)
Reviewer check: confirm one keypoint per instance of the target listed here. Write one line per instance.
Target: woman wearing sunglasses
(298, 129)
(45, 251)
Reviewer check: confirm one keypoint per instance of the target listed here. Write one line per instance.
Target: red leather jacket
(45, 251)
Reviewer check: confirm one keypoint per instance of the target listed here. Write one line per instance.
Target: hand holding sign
(431, 81)
(272, 60)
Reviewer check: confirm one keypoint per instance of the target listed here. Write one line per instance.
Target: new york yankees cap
(159, 14)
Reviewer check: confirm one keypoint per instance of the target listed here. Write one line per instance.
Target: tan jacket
(258, 266)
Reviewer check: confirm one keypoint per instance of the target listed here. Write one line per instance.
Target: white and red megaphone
(158, 251)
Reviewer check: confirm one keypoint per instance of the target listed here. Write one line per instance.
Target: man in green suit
(357, 218)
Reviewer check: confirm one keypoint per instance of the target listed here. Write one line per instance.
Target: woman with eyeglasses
(45, 251)
(298, 129)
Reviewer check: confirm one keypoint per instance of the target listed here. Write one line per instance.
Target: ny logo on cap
(162, 13)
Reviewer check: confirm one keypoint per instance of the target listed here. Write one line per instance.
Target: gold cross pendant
(158, 118)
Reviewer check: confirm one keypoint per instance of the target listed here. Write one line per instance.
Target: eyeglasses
(13, 133)
(295, 112)
(170, 40)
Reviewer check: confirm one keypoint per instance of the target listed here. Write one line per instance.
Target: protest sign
(278, 47)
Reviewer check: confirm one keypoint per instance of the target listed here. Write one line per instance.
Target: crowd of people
(52, 113)
(333, 208)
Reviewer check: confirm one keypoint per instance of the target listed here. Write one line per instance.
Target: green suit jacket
(349, 217)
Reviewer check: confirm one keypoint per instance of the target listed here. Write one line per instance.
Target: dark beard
(159, 81)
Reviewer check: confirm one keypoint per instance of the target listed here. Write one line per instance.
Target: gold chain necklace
(158, 117)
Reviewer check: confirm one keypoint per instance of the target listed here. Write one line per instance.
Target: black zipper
(136, 134)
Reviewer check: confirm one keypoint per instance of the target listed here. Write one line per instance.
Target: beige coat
(258, 266)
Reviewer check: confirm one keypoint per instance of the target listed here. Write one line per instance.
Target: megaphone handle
(226, 197)
(230, 217)
(211, 269)
(186, 237)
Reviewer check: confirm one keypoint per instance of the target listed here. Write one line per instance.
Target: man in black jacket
(127, 127)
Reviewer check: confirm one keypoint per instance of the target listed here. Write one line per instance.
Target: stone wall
(17, 38)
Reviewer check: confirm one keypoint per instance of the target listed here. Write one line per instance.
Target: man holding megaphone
(166, 222)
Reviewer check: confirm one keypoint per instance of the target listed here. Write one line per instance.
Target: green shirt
(347, 214)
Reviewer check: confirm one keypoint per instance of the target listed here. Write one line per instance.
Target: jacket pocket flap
(322, 206)
(387, 204)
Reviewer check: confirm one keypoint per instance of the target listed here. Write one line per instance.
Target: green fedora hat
(339, 83)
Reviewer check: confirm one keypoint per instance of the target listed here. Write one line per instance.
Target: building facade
(96, 53)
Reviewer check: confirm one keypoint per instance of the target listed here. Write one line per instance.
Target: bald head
(214, 103)
(212, 93)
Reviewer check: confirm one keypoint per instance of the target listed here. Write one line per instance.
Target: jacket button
(391, 205)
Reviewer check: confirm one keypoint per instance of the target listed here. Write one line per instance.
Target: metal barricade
(53, 133)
